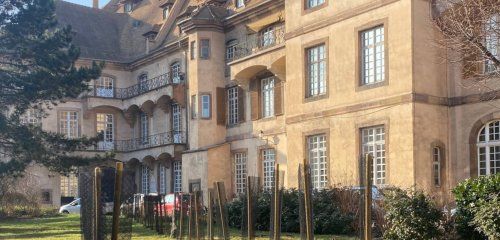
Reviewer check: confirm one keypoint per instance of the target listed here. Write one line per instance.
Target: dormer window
(166, 12)
(240, 3)
(128, 6)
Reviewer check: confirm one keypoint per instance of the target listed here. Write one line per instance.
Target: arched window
(175, 70)
(488, 149)
(436, 166)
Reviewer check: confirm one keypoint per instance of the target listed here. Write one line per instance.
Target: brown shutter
(241, 105)
(278, 97)
(221, 106)
(179, 92)
(255, 99)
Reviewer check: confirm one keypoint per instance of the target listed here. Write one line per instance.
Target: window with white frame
(31, 117)
(316, 70)
(492, 40)
(317, 153)
(177, 176)
(231, 49)
(240, 3)
(163, 179)
(69, 186)
(372, 56)
(104, 126)
(373, 142)
(166, 12)
(143, 82)
(488, 149)
(104, 87)
(240, 172)
(436, 166)
(68, 124)
(232, 100)
(128, 6)
(314, 3)
(144, 121)
(268, 36)
(205, 106)
(267, 85)
(193, 50)
(268, 167)
(175, 70)
(176, 123)
(146, 173)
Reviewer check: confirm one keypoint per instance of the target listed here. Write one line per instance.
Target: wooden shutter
(221, 106)
(241, 105)
(255, 99)
(278, 96)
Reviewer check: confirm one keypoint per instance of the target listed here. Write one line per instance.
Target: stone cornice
(253, 12)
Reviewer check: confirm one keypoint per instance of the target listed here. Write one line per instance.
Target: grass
(67, 227)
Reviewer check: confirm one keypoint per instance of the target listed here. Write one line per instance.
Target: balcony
(136, 144)
(109, 91)
(266, 39)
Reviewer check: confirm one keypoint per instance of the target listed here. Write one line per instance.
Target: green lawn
(67, 227)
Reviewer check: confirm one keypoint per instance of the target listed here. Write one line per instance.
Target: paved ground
(67, 227)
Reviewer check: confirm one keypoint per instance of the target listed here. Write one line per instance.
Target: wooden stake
(368, 196)
(97, 202)
(276, 215)
(250, 232)
(307, 200)
(220, 194)
(210, 215)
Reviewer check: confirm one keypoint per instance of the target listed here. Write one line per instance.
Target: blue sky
(88, 2)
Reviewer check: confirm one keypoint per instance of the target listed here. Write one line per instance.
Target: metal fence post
(97, 203)
(368, 196)
(117, 200)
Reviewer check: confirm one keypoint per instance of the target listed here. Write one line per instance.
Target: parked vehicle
(72, 207)
(171, 202)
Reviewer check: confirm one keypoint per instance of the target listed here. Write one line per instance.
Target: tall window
(316, 70)
(317, 151)
(163, 179)
(492, 41)
(68, 124)
(240, 3)
(104, 126)
(240, 172)
(267, 97)
(69, 186)
(146, 172)
(194, 106)
(488, 149)
(144, 121)
(436, 166)
(372, 56)
(373, 142)
(176, 123)
(31, 117)
(314, 3)
(104, 87)
(204, 48)
(231, 49)
(143, 82)
(268, 163)
(205, 106)
(175, 70)
(166, 12)
(193, 50)
(268, 36)
(232, 98)
(177, 176)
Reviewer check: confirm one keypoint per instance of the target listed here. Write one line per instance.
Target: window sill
(315, 98)
(306, 10)
(371, 86)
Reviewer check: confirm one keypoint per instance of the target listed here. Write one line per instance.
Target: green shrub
(411, 215)
(328, 217)
(487, 217)
(468, 194)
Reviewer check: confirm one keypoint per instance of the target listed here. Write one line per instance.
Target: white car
(72, 207)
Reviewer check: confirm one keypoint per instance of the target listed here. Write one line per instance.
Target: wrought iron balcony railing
(137, 89)
(257, 43)
(135, 144)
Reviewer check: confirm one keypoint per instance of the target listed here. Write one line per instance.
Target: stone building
(200, 91)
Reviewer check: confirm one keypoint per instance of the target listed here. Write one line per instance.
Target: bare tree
(471, 28)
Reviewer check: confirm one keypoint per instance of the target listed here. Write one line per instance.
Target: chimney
(95, 4)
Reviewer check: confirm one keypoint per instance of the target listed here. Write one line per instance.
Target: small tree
(37, 71)
(487, 217)
(411, 215)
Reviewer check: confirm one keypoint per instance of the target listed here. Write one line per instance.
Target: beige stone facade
(230, 90)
